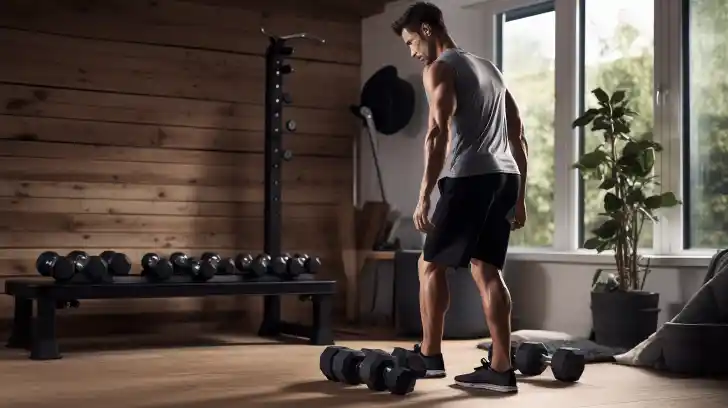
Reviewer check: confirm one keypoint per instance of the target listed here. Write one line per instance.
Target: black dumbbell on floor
(156, 268)
(379, 370)
(533, 358)
(118, 263)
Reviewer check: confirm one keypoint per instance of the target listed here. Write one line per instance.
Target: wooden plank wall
(136, 125)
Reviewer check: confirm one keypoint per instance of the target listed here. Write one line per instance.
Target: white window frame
(566, 108)
(667, 98)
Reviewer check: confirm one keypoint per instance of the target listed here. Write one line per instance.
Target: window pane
(618, 54)
(706, 178)
(527, 61)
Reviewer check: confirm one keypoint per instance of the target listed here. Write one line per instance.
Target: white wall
(550, 291)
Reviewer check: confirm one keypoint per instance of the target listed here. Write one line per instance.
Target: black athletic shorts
(472, 219)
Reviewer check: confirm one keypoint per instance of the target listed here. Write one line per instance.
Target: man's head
(419, 27)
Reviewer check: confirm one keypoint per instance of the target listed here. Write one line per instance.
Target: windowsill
(697, 260)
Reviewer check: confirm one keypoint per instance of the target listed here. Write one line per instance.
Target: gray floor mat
(593, 352)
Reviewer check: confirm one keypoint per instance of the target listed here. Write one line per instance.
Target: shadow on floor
(326, 394)
(151, 342)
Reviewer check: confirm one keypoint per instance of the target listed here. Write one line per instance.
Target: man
(474, 118)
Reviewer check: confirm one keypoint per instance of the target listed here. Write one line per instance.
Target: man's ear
(426, 30)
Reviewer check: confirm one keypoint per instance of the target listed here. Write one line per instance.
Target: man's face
(420, 44)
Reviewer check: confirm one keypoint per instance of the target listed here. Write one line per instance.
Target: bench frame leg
(21, 335)
(271, 325)
(45, 343)
(322, 333)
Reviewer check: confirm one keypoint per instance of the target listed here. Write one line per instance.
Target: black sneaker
(486, 378)
(434, 365)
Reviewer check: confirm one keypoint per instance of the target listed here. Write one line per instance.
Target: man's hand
(421, 216)
(519, 219)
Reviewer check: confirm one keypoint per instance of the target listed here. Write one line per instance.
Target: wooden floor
(247, 372)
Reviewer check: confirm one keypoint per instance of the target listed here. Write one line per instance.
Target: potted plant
(623, 314)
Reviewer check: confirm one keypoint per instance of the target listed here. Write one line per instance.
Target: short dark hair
(422, 12)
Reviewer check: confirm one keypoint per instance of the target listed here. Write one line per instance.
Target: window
(705, 121)
(525, 54)
(617, 53)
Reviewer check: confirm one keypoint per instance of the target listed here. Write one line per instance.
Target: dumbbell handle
(546, 358)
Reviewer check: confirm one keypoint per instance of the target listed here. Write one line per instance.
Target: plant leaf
(601, 96)
(593, 159)
(635, 196)
(608, 184)
(601, 123)
(621, 127)
(607, 230)
(592, 243)
(618, 96)
(612, 202)
(586, 118)
(669, 200)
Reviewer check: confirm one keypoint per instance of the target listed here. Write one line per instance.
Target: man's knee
(485, 270)
(429, 268)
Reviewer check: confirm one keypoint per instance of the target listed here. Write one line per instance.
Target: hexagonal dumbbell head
(567, 364)
(400, 380)
(373, 368)
(326, 361)
(346, 366)
(530, 358)
(410, 360)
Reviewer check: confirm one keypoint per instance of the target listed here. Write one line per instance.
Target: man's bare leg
(434, 302)
(497, 307)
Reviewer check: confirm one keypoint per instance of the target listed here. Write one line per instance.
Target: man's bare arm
(519, 144)
(439, 83)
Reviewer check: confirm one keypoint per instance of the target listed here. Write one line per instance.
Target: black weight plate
(346, 366)
(400, 380)
(529, 358)
(390, 98)
(567, 364)
(326, 361)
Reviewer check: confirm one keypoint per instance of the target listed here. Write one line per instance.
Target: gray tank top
(479, 135)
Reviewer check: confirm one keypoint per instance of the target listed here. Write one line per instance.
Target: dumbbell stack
(379, 370)
(80, 267)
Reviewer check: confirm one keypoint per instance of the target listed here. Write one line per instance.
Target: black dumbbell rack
(275, 98)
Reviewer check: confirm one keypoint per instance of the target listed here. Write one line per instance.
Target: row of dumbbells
(379, 370)
(79, 266)
(91, 268)
(204, 268)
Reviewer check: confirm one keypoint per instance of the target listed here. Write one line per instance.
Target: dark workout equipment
(76, 267)
(386, 106)
(244, 266)
(156, 268)
(34, 324)
(47, 265)
(533, 358)
(197, 269)
(379, 370)
(289, 267)
(275, 69)
(223, 266)
(119, 264)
